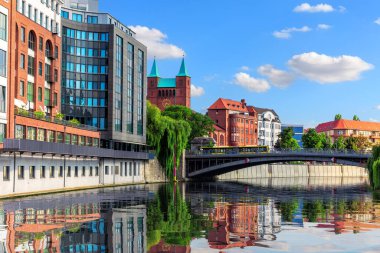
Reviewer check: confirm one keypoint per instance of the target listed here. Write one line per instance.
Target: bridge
(202, 165)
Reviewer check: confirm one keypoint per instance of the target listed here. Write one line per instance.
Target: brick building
(235, 123)
(347, 128)
(169, 91)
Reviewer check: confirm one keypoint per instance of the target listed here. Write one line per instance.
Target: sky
(307, 60)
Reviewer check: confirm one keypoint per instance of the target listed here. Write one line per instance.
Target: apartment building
(269, 126)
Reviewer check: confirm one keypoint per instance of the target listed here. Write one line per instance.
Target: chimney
(243, 103)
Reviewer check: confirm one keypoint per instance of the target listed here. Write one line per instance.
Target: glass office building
(103, 75)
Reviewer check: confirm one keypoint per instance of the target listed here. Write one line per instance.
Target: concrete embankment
(297, 170)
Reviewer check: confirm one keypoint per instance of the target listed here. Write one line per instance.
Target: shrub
(74, 122)
(39, 115)
(59, 116)
(22, 112)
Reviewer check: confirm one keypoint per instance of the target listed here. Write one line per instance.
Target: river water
(239, 216)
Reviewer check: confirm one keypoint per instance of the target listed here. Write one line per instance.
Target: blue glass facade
(298, 132)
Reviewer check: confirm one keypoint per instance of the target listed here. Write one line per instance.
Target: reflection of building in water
(242, 224)
(76, 228)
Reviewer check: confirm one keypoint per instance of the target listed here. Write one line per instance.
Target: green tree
(286, 140)
(338, 116)
(168, 137)
(356, 118)
(326, 141)
(201, 125)
(351, 144)
(362, 143)
(339, 143)
(374, 167)
(288, 209)
(312, 139)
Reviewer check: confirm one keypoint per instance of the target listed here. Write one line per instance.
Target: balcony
(59, 121)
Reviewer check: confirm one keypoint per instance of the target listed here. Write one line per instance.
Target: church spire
(183, 70)
(154, 71)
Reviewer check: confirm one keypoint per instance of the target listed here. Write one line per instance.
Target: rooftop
(344, 124)
(228, 104)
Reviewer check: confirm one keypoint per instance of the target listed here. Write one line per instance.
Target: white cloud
(245, 68)
(327, 69)
(342, 8)
(278, 78)
(155, 40)
(377, 21)
(378, 107)
(373, 120)
(250, 83)
(287, 33)
(197, 91)
(305, 7)
(323, 27)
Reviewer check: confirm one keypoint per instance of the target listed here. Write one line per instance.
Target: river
(239, 216)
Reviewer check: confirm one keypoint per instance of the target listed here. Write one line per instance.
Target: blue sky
(308, 60)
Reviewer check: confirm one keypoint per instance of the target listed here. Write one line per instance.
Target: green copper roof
(183, 70)
(166, 83)
(154, 72)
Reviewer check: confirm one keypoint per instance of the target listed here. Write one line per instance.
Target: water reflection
(212, 217)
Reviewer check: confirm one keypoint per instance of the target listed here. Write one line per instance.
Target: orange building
(235, 123)
(351, 128)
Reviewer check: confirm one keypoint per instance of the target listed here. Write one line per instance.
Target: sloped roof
(344, 124)
(263, 110)
(218, 128)
(183, 69)
(154, 71)
(228, 104)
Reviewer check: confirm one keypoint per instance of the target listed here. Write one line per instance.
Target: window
(76, 171)
(55, 99)
(47, 97)
(3, 27)
(48, 49)
(60, 171)
(3, 63)
(30, 65)
(41, 134)
(2, 132)
(56, 52)
(22, 61)
(106, 170)
(50, 136)
(55, 75)
(64, 14)
(90, 171)
(20, 132)
(40, 94)
(52, 171)
(41, 44)
(2, 99)
(43, 172)
(96, 171)
(20, 172)
(92, 19)
(31, 41)
(40, 68)
(47, 73)
(77, 17)
(69, 171)
(68, 138)
(83, 171)
(31, 133)
(60, 137)
(22, 34)
(23, 7)
(32, 172)
(6, 173)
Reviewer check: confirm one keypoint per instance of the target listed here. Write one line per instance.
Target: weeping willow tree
(168, 137)
(374, 168)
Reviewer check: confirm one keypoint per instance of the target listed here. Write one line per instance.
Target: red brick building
(235, 123)
(169, 91)
(34, 77)
(347, 128)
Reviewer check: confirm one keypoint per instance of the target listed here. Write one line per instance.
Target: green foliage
(286, 140)
(339, 143)
(350, 143)
(39, 115)
(168, 136)
(338, 116)
(315, 140)
(356, 118)
(22, 112)
(59, 116)
(374, 168)
(74, 122)
(201, 125)
(288, 209)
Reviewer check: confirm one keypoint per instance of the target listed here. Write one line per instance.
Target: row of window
(84, 101)
(92, 171)
(87, 52)
(85, 68)
(32, 44)
(40, 134)
(124, 169)
(79, 17)
(84, 85)
(38, 16)
(98, 122)
(241, 130)
(85, 35)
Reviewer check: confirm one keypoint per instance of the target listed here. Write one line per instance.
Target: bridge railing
(287, 151)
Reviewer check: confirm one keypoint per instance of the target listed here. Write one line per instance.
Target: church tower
(153, 80)
(183, 86)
